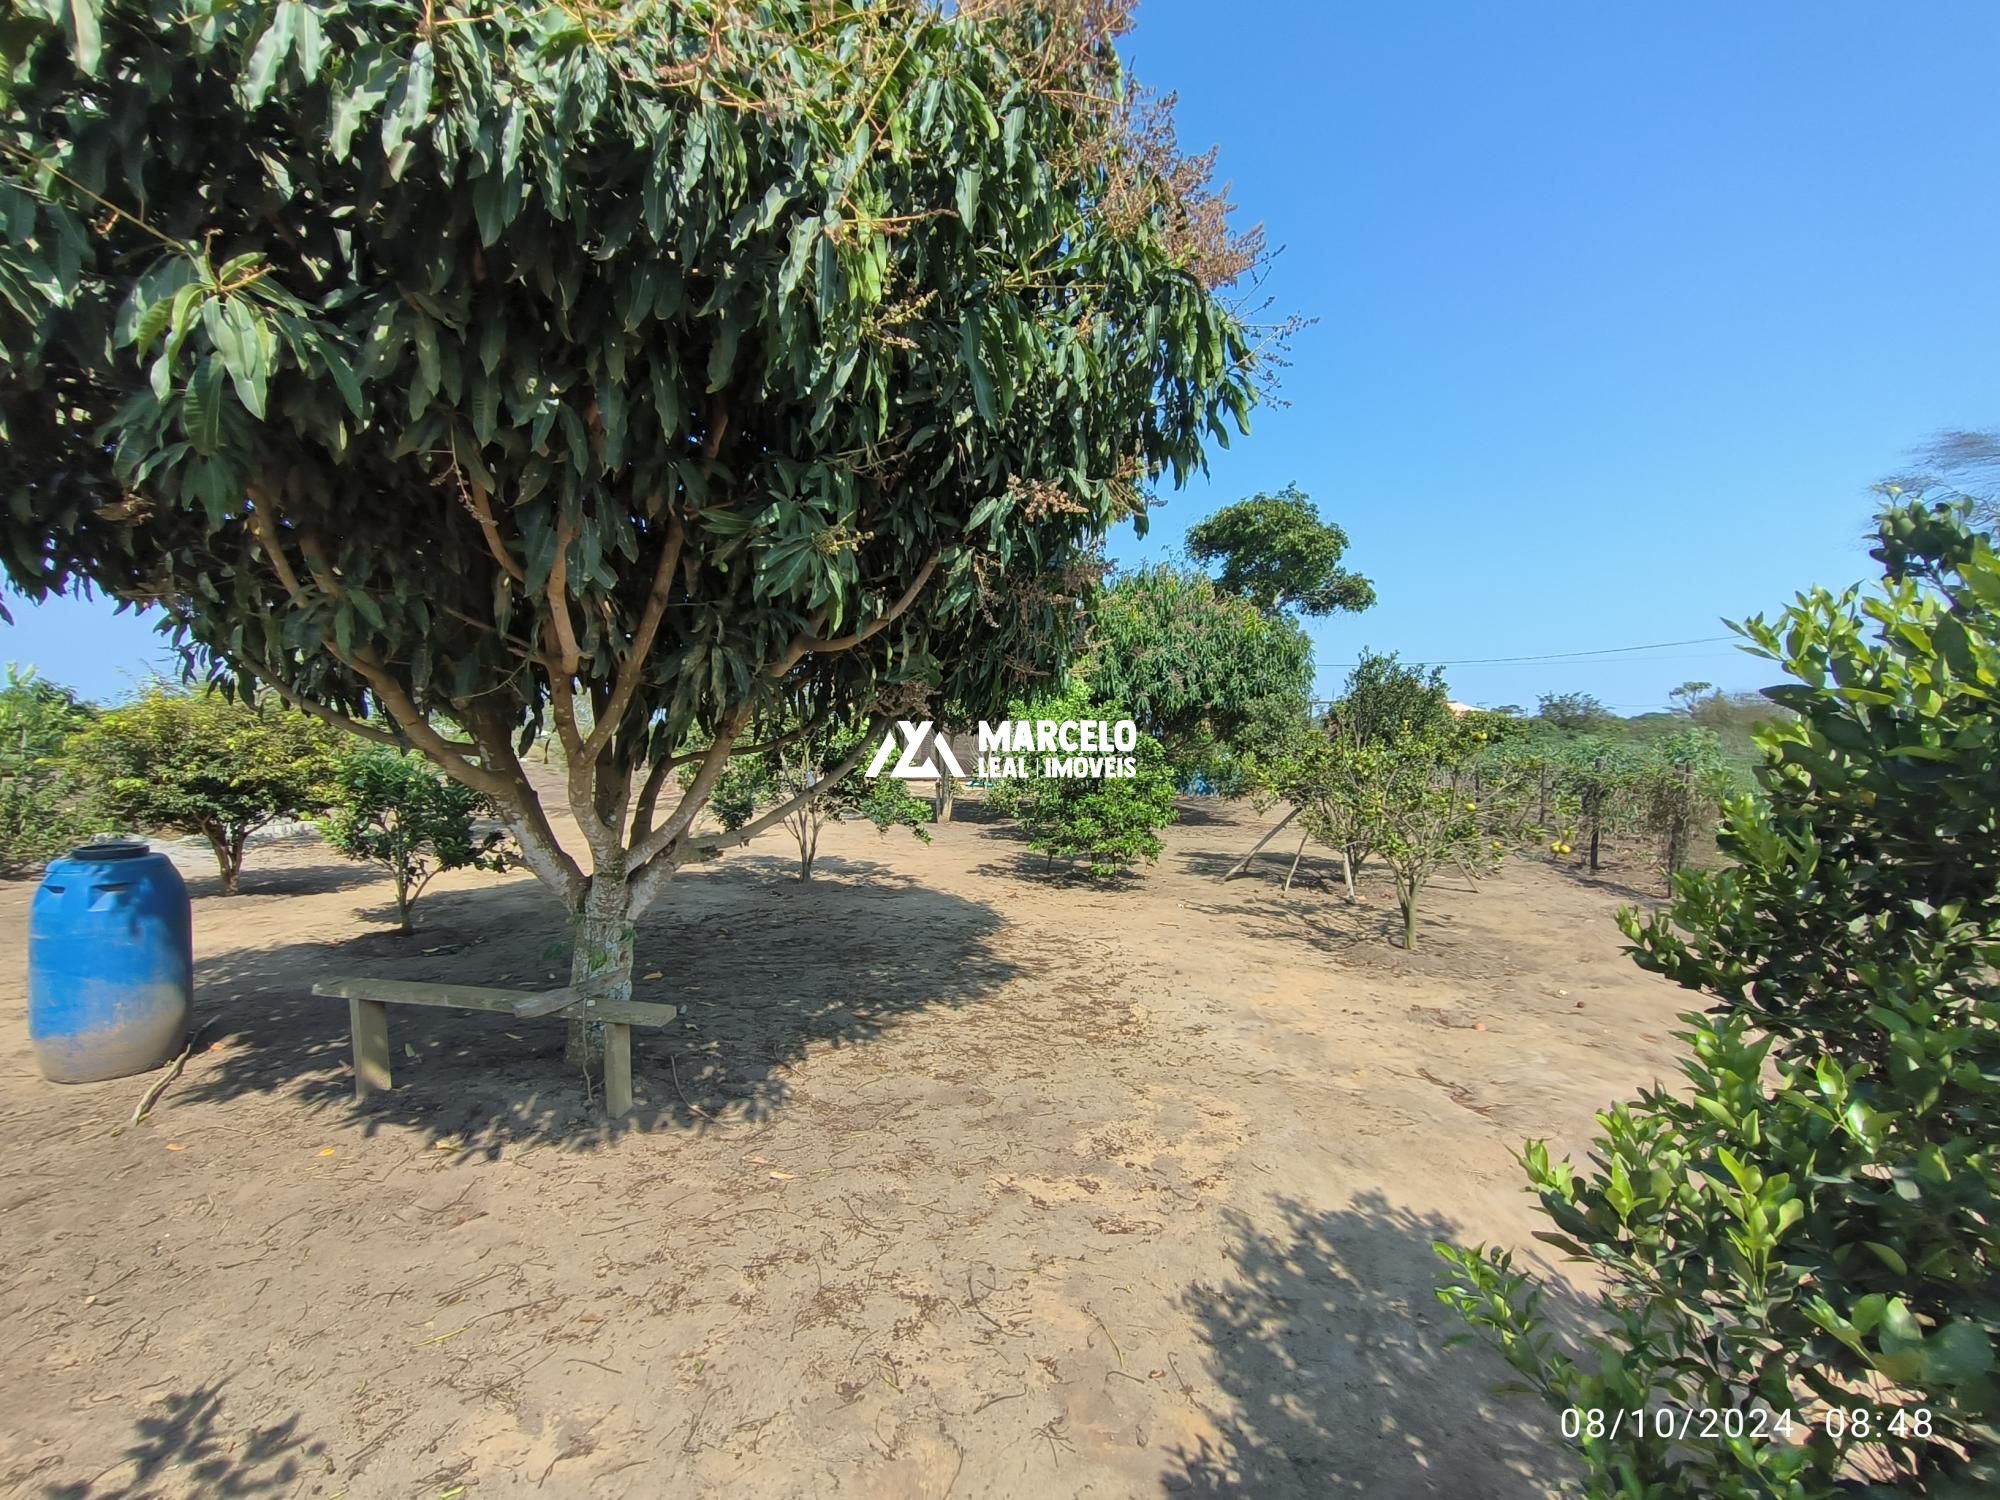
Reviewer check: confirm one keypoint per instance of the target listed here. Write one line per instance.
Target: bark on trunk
(228, 859)
(1410, 922)
(603, 958)
(947, 791)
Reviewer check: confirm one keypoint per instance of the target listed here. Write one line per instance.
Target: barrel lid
(111, 848)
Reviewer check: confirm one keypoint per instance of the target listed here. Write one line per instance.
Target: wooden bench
(368, 1002)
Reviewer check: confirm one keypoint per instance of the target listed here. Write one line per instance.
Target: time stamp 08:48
(1694, 1424)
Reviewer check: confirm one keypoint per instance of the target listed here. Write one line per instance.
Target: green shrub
(777, 780)
(1108, 821)
(203, 763)
(1811, 1228)
(399, 812)
(39, 811)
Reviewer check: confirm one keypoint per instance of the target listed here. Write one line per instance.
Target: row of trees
(202, 764)
(1809, 1227)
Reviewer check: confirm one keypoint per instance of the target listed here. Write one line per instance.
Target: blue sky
(1620, 310)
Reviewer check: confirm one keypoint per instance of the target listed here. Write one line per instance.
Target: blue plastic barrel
(110, 963)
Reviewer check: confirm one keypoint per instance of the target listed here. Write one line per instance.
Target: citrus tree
(1807, 1234)
(1107, 821)
(1409, 812)
(400, 812)
(651, 377)
(204, 763)
(777, 777)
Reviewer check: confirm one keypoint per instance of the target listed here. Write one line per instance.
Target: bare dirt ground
(972, 1184)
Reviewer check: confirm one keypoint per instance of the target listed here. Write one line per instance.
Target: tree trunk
(1410, 920)
(1347, 875)
(1593, 846)
(228, 859)
(403, 905)
(602, 957)
(947, 790)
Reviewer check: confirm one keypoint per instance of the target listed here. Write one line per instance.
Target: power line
(1493, 661)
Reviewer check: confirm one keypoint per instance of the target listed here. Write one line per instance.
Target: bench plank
(486, 997)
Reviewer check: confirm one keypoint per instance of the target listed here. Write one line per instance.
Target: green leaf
(408, 108)
(152, 323)
(1889, 1257)
(269, 55)
(310, 46)
(1958, 1353)
(974, 359)
(201, 408)
(967, 195)
(245, 345)
(334, 362)
(85, 35)
(373, 74)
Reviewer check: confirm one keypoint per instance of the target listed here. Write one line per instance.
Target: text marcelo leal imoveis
(1081, 749)
(1068, 747)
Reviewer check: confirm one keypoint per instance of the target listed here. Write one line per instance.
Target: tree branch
(713, 760)
(476, 502)
(266, 533)
(807, 644)
(541, 851)
(710, 843)
(417, 727)
(633, 669)
(649, 794)
(371, 732)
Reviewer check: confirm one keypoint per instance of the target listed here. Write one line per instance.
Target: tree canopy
(201, 763)
(678, 369)
(1275, 551)
(1188, 661)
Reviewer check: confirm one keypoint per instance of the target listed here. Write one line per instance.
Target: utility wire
(1491, 661)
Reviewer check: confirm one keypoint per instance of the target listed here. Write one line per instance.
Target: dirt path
(978, 1186)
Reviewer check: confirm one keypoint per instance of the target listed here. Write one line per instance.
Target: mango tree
(650, 377)
(1202, 670)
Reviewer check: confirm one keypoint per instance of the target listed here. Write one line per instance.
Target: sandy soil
(969, 1183)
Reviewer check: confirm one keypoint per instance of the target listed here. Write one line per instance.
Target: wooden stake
(369, 1021)
(618, 1070)
(1244, 863)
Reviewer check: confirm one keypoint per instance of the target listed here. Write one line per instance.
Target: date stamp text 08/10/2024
(1692, 1424)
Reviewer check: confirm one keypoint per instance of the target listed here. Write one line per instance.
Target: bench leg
(617, 1069)
(369, 1021)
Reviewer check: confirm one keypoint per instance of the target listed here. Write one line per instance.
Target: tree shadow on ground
(1037, 868)
(1316, 910)
(329, 874)
(1329, 1344)
(1192, 811)
(783, 870)
(183, 1441)
(761, 976)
